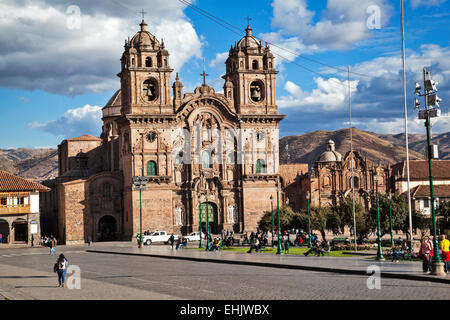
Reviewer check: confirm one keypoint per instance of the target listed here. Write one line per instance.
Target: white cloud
(377, 104)
(74, 122)
(330, 95)
(219, 60)
(342, 24)
(397, 125)
(39, 51)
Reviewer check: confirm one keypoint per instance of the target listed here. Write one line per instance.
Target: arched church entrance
(212, 217)
(107, 229)
(4, 231)
(20, 227)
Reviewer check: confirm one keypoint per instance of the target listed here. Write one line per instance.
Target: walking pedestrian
(254, 245)
(444, 245)
(51, 244)
(61, 268)
(172, 240)
(1, 238)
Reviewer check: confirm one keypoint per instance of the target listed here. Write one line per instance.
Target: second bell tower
(250, 68)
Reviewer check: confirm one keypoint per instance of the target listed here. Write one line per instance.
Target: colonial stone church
(199, 152)
(331, 178)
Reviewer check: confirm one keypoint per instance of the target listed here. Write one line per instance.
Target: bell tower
(250, 69)
(145, 75)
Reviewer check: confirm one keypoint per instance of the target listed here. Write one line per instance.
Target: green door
(260, 166)
(151, 168)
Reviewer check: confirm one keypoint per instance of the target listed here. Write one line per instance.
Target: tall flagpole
(406, 124)
(351, 153)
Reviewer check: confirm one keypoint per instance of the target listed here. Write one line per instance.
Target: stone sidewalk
(359, 265)
(15, 284)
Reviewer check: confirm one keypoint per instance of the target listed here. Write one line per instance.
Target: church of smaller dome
(330, 155)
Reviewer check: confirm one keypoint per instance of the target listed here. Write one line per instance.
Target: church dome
(248, 41)
(144, 38)
(330, 155)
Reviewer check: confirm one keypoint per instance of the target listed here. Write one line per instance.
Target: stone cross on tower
(248, 20)
(143, 13)
(204, 74)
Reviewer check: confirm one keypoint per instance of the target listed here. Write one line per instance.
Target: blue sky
(57, 71)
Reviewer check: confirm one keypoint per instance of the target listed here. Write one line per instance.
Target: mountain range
(42, 164)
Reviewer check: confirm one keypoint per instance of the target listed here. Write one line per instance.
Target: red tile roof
(10, 182)
(439, 190)
(418, 169)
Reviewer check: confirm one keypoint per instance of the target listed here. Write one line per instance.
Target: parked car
(194, 236)
(157, 236)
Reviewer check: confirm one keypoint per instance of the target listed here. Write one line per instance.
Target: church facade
(201, 152)
(331, 178)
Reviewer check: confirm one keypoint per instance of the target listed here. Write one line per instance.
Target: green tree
(343, 213)
(444, 216)
(399, 207)
(319, 219)
(286, 218)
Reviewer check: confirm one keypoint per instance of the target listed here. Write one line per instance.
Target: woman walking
(61, 269)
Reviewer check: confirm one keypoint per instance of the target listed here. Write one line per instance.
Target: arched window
(255, 65)
(206, 160)
(151, 168)
(355, 182)
(150, 88)
(261, 166)
(241, 64)
(148, 62)
(270, 65)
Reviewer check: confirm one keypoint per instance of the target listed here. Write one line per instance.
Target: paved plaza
(26, 273)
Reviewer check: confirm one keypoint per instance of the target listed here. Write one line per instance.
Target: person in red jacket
(426, 253)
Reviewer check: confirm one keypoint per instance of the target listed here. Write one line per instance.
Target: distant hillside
(308, 147)
(38, 164)
(42, 164)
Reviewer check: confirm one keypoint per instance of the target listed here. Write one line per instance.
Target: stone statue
(178, 216)
(230, 216)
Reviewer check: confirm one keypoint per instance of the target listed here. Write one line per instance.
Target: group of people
(50, 242)
(426, 252)
(318, 247)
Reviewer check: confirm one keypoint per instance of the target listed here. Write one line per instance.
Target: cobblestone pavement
(27, 274)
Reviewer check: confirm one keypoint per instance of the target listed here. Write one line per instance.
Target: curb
(283, 266)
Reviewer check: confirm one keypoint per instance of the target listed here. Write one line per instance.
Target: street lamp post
(379, 251)
(140, 183)
(309, 221)
(207, 221)
(200, 222)
(279, 224)
(390, 219)
(273, 226)
(431, 99)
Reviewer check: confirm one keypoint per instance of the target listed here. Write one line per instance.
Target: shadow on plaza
(25, 277)
(20, 287)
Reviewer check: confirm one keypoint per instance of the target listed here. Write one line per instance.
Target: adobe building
(19, 209)
(192, 148)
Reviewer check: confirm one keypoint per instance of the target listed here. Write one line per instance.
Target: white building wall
(34, 202)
